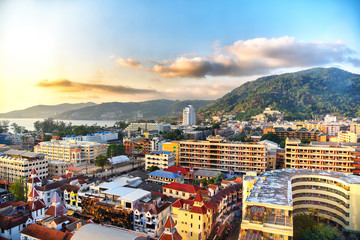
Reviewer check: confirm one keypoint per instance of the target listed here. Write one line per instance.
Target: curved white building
(271, 199)
(189, 117)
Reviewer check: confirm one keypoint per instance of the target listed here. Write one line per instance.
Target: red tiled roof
(36, 205)
(170, 223)
(33, 180)
(40, 232)
(8, 222)
(183, 187)
(201, 210)
(74, 169)
(33, 171)
(70, 188)
(198, 197)
(180, 202)
(177, 169)
(34, 193)
(56, 211)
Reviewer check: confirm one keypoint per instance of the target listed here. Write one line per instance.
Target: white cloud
(253, 57)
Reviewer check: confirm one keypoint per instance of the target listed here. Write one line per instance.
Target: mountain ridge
(299, 95)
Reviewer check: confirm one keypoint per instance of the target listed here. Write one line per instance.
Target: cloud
(128, 63)
(254, 57)
(66, 85)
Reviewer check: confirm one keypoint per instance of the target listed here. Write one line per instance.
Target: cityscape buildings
(189, 117)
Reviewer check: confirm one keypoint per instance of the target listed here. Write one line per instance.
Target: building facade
(189, 117)
(216, 154)
(193, 218)
(15, 164)
(319, 156)
(160, 159)
(273, 198)
(174, 148)
(77, 152)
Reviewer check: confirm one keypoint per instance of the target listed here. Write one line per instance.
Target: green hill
(132, 110)
(299, 95)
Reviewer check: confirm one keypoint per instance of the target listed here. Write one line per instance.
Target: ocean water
(28, 123)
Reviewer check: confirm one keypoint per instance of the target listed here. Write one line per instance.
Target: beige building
(72, 151)
(15, 164)
(348, 136)
(273, 198)
(160, 159)
(217, 154)
(320, 156)
(58, 168)
(355, 128)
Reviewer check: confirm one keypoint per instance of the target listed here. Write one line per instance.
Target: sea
(28, 123)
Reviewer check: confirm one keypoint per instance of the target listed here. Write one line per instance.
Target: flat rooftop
(274, 187)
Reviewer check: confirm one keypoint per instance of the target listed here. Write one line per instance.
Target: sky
(57, 51)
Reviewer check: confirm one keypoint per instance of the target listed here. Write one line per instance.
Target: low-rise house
(70, 197)
(114, 193)
(180, 190)
(150, 217)
(62, 222)
(14, 217)
(188, 175)
(206, 174)
(227, 199)
(57, 208)
(164, 177)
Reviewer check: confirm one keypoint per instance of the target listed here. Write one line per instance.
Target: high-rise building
(189, 117)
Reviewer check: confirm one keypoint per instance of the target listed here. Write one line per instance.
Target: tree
(114, 150)
(47, 138)
(101, 161)
(4, 126)
(152, 168)
(18, 188)
(271, 137)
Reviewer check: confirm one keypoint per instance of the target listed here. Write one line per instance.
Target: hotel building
(320, 156)
(272, 199)
(216, 154)
(72, 151)
(15, 164)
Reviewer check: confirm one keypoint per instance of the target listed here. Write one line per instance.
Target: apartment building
(320, 156)
(347, 136)
(72, 151)
(15, 164)
(217, 154)
(161, 159)
(274, 197)
(172, 147)
(189, 117)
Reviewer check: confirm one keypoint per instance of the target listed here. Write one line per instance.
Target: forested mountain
(299, 95)
(132, 110)
(44, 111)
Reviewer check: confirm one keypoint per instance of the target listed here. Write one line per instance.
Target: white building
(100, 137)
(329, 118)
(189, 117)
(15, 164)
(161, 159)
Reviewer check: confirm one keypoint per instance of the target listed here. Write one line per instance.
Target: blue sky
(75, 51)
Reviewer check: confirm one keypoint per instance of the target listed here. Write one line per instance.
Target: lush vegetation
(174, 135)
(298, 95)
(213, 180)
(18, 188)
(312, 226)
(152, 168)
(101, 161)
(114, 150)
(4, 126)
(61, 129)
